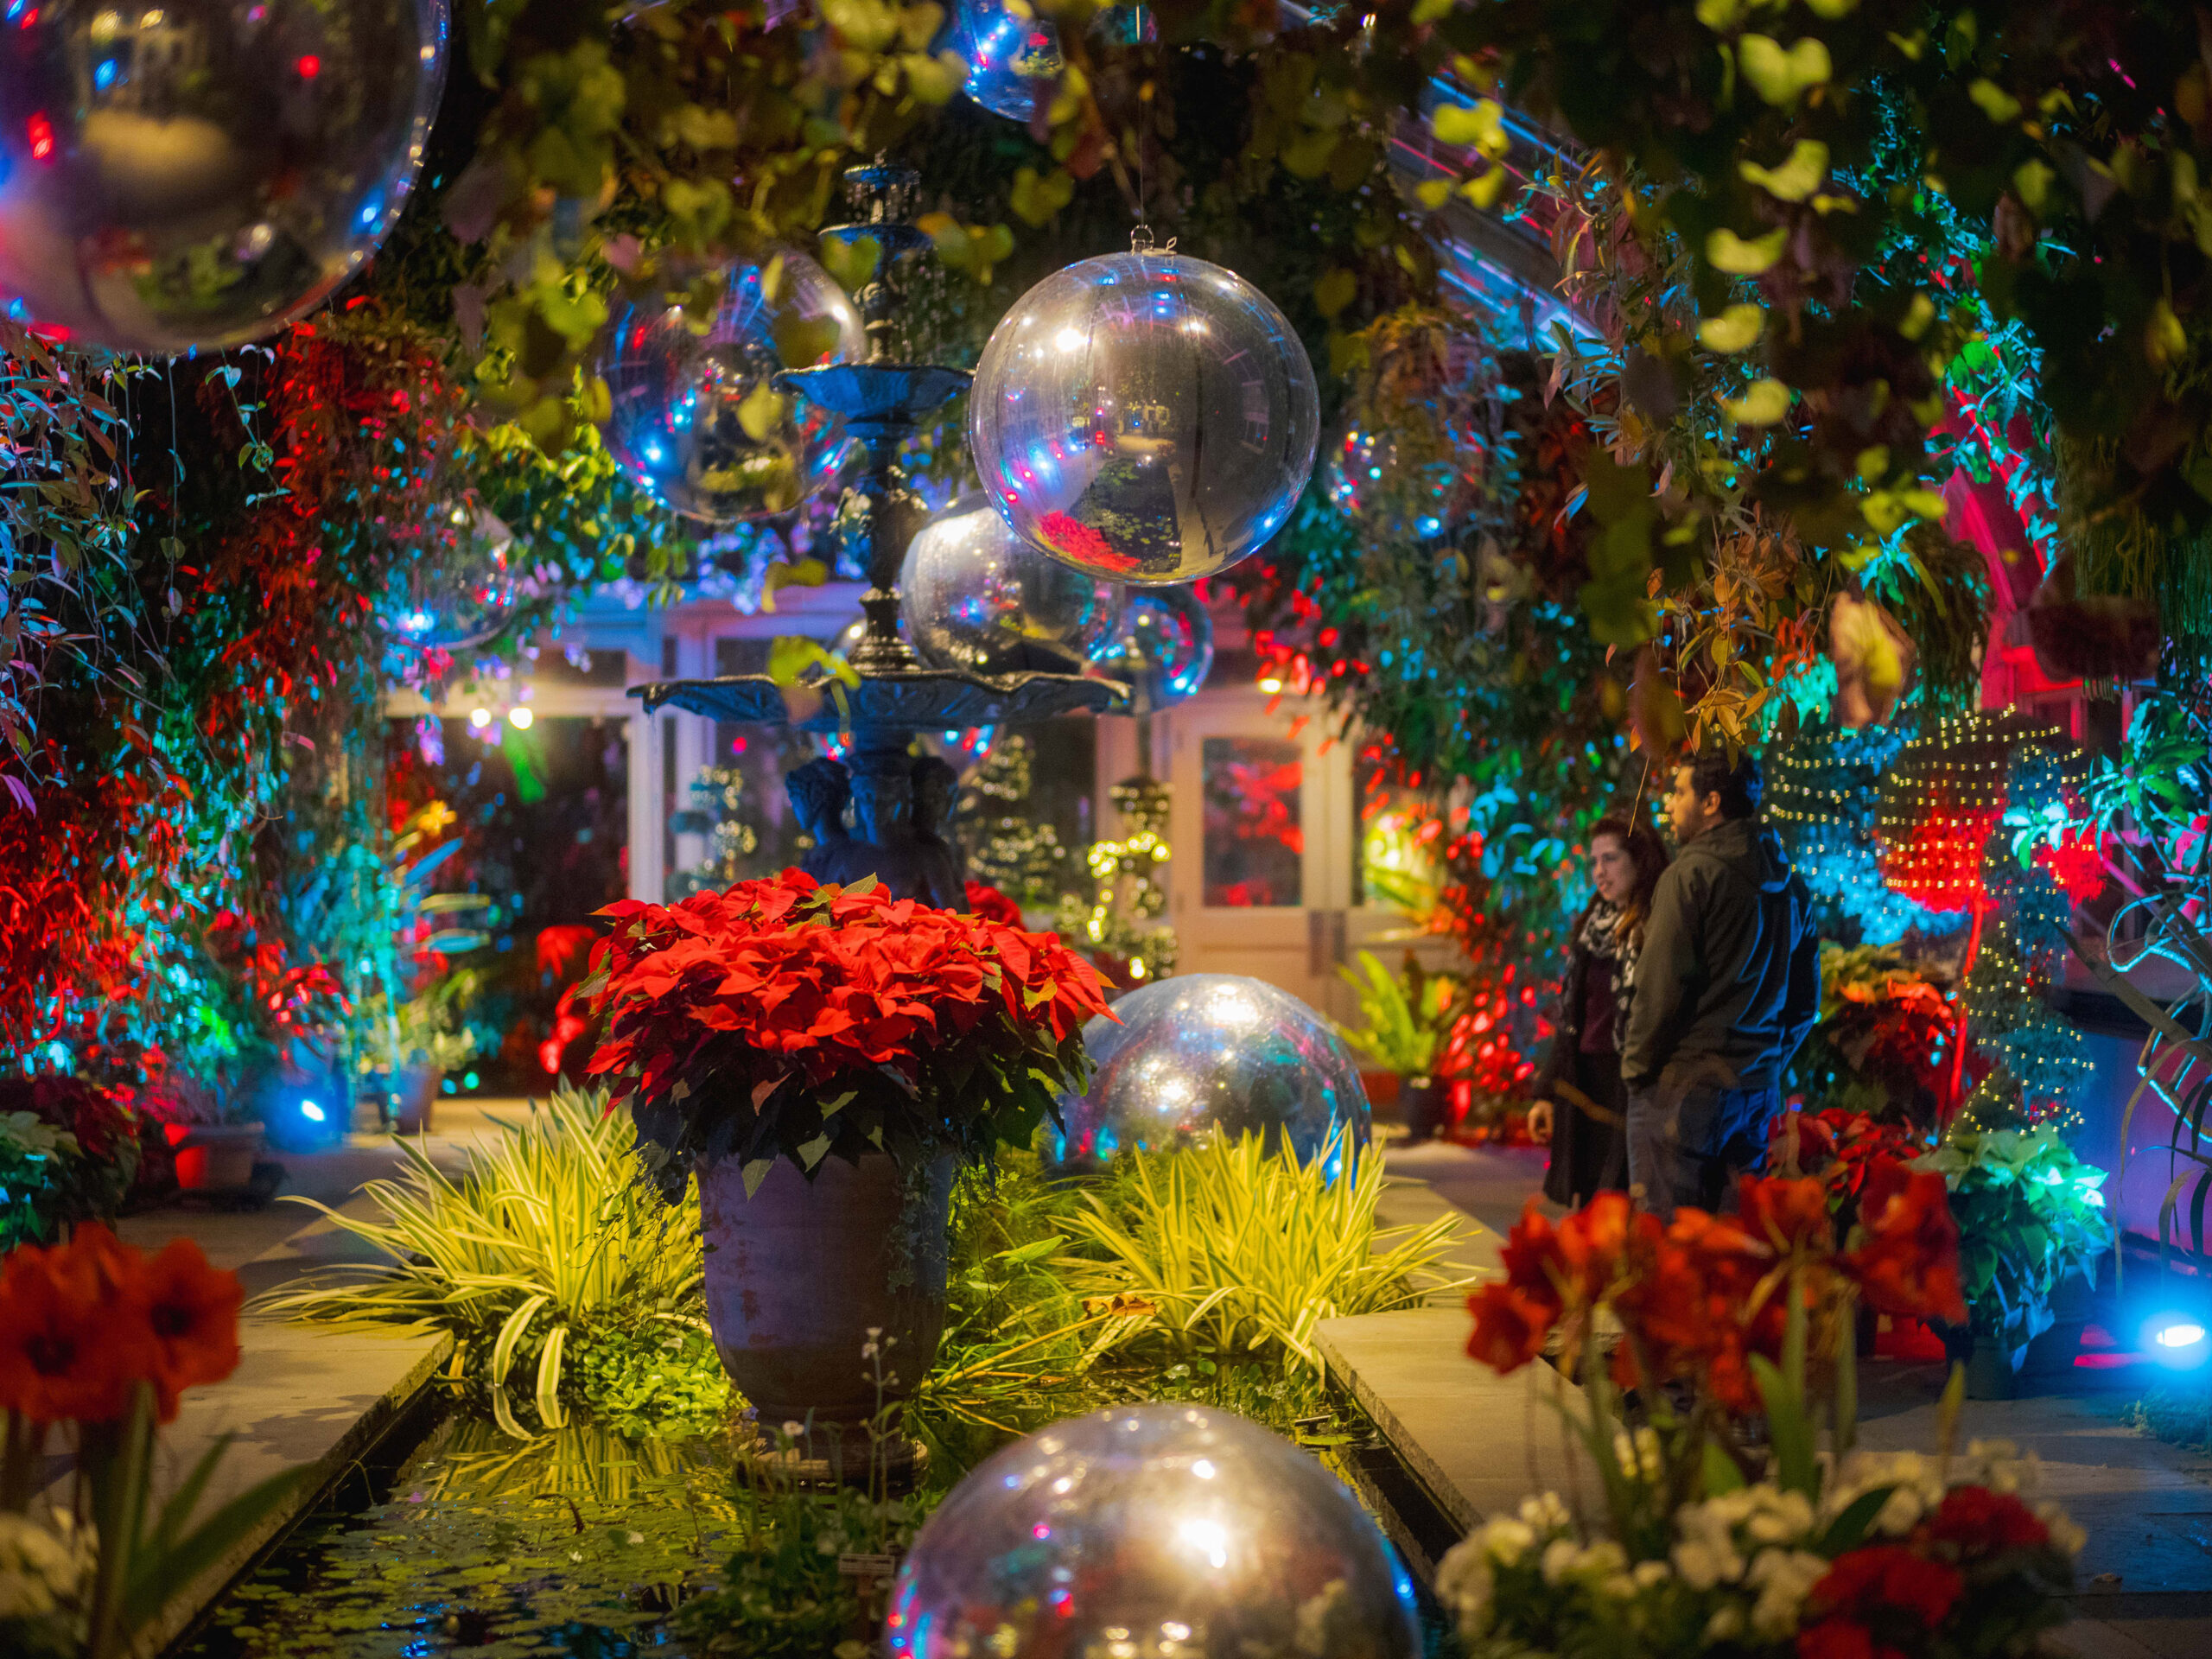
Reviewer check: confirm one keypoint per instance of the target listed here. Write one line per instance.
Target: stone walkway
(1478, 1443)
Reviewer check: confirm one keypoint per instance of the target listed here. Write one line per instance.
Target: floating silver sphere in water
(1168, 1532)
(696, 417)
(197, 173)
(1206, 1051)
(1146, 417)
(977, 596)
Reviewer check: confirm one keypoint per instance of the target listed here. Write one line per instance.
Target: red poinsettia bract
(784, 978)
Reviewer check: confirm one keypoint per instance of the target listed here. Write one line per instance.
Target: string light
(1945, 794)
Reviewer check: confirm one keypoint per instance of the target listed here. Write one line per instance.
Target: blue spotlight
(2178, 1338)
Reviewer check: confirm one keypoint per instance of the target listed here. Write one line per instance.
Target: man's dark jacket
(1731, 966)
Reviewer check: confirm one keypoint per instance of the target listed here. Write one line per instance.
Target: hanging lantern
(1011, 58)
(696, 417)
(1160, 646)
(977, 596)
(196, 175)
(1146, 417)
(1942, 798)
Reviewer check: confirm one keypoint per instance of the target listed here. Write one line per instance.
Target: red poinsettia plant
(784, 1018)
(97, 1343)
(1717, 1539)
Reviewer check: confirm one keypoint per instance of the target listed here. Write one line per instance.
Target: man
(1727, 985)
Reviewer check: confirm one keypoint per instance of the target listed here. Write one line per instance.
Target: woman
(1580, 1106)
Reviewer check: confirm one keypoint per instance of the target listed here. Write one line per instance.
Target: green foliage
(552, 1236)
(1240, 1253)
(1403, 1022)
(1885, 1028)
(2181, 1413)
(36, 1159)
(662, 1379)
(2028, 1212)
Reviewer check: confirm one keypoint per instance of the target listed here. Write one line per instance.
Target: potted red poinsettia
(822, 1057)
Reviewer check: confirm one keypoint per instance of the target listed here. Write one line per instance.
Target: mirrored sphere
(1010, 59)
(198, 173)
(1155, 1530)
(977, 596)
(1366, 478)
(697, 419)
(1206, 1051)
(1159, 647)
(1146, 417)
(457, 593)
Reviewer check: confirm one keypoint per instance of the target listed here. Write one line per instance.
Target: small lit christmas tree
(1121, 924)
(1021, 858)
(721, 812)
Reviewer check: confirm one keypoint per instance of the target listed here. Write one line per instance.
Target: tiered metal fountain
(882, 402)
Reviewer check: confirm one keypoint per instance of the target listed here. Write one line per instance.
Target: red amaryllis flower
(1907, 1260)
(73, 1344)
(1979, 1521)
(1534, 1264)
(191, 1314)
(1862, 1582)
(1789, 1216)
(1511, 1327)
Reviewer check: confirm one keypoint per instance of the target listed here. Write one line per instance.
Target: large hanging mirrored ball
(697, 419)
(978, 597)
(1172, 1532)
(1206, 1053)
(459, 589)
(196, 174)
(1160, 646)
(1011, 58)
(1146, 417)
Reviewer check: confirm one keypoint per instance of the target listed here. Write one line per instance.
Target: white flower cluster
(1741, 1561)
(45, 1566)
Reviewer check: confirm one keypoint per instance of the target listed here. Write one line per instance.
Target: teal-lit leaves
(1780, 76)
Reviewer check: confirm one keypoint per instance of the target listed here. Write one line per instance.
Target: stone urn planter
(797, 1274)
(214, 1157)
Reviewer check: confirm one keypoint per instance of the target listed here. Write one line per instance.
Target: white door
(1262, 834)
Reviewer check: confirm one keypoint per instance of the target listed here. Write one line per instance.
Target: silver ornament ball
(1170, 1532)
(695, 416)
(1010, 59)
(977, 596)
(1202, 1053)
(1147, 417)
(1365, 476)
(1160, 646)
(193, 174)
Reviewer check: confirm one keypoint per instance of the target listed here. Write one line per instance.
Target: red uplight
(309, 65)
(41, 137)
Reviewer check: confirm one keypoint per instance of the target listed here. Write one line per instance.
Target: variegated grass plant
(1237, 1253)
(549, 1236)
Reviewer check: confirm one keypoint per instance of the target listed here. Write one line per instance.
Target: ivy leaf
(1779, 76)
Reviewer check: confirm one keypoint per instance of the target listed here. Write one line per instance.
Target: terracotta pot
(798, 1273)
(214, 1156)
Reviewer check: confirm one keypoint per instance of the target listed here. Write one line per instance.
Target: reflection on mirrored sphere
(1010, 59)
(1206, 1051)
(197, 173)
(456, 593)
(977, 596)
(966, 747)
(696, 417)
(1368, 479)
(1172, 1532)
(1146, 417)
(1160, 646)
